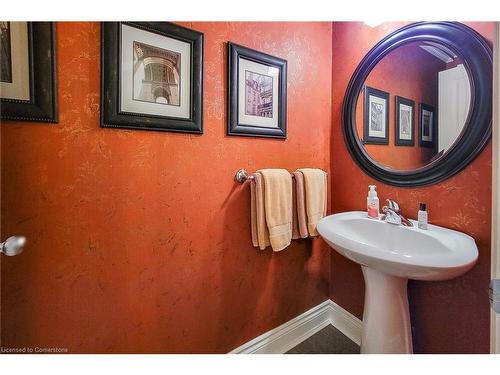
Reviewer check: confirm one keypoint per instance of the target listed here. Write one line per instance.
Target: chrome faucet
(393, 215)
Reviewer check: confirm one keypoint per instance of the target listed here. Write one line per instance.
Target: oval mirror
(418, 107)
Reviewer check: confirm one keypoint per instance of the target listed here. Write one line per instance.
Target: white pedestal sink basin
(389, 255)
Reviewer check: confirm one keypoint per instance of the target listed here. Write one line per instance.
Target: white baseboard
(286, 336)
(345, 322)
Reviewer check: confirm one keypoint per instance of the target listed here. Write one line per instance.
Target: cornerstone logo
(30, 349)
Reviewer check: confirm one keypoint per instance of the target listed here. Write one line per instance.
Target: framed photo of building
(405, 120)
(152, 77)
(256, 93)
(376, 117)
(28, 84)
(427, 129)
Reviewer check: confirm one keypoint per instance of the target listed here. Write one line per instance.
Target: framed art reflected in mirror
(376, 117)
(405, 122)
(427, 125)
(152, 77)
(28, 84)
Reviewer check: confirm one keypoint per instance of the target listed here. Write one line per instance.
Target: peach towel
(260, 233)
(299, 213)
(315, 193)
(278, 206)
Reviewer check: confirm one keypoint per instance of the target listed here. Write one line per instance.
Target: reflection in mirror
(414, 106)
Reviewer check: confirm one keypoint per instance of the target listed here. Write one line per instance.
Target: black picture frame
(42, 106)
(234, 127)
(367, 139)
(477, 54)
(399, 100)
(421, 141)
(112, 116)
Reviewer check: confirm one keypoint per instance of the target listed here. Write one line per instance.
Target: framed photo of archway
(28, 84)
(152, 77)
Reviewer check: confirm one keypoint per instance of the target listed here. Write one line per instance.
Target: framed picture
(405, 120)
(256, 93)
(376, 117)
(152, 77)
(427, 128)
(28, 85)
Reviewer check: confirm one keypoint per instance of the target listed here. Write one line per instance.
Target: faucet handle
(393, 205)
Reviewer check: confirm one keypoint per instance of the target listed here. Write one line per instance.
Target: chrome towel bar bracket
(241, 176)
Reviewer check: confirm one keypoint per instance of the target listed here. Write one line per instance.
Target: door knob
(13, 245)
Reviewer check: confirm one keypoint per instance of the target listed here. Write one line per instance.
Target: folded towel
(315, 189)
(260, 233)
(278, 206)
(253, 215)
(300, 217)
(295, 224)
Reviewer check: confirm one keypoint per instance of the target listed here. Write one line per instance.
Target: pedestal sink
(389, 255)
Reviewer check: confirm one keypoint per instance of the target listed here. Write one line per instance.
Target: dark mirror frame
(477, 57)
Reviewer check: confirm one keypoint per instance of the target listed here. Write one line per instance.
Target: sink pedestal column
(386, 318)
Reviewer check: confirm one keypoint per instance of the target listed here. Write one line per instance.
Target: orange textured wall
(138, 241)
(447, 317)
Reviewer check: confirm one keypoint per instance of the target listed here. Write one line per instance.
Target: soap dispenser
(372, 202)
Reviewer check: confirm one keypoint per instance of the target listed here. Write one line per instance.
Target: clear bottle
(422, 216)
(372, 203)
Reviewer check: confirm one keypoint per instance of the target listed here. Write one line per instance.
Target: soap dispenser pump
(372, 202)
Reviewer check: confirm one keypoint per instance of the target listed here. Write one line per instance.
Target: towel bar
(242, 175)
